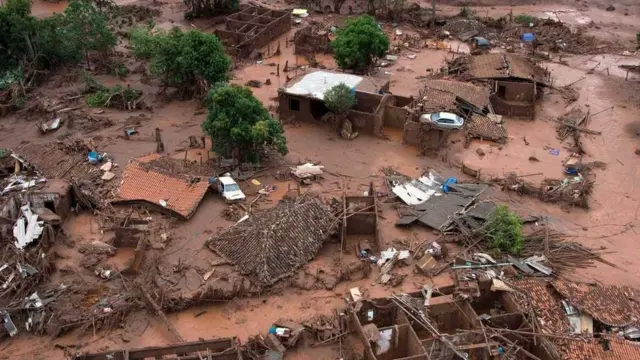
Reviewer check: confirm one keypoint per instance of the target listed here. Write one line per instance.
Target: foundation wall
(253, 28)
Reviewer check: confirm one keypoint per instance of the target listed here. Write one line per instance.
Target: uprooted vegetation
(114, 97)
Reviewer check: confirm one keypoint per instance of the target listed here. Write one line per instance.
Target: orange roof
(549, 313)
(611, 305)
(181, 194)
(593, 349)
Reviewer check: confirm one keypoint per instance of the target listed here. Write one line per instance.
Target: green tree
(340, 98)
(359, 43)
(180, 59)
(240, 126)
(504, 230)
(89, 27)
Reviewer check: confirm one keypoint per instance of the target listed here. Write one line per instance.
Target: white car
(230, 190)
(443, 120)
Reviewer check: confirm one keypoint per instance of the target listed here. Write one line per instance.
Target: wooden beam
(476, 346)
(581, 129)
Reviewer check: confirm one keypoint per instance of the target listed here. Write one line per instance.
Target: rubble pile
(68, 159)
(571, 191)
(555, 36)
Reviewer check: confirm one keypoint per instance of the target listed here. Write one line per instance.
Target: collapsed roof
(271, 245)
(440, 95)
(611, 303)
(179, 194)
(505, 66)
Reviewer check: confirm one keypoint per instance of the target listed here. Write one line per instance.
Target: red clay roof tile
(141, 184)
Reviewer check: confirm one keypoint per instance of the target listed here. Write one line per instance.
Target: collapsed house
(302, 99)
(520, 319)
(464, 99)
(62, 160)
(177, 194)
(432, 199)
(271, 245)
(516, 82)
(252, 28)
(312, 39)
(590, 322)
(360, 221)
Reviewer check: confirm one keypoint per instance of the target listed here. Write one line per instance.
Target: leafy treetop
(358, 44)
(239, 125)
(340, 98)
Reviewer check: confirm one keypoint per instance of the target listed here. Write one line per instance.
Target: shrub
(525, 19)
(504, 230)
(115, 97)
(339, 98)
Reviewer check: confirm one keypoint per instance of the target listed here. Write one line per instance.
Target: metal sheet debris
(27, 228)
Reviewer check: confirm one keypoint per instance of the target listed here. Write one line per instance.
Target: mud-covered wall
(411, 133)
(519, 91)
(395, 117)
(307, 41)
(519, 110)
(365, 123)
(367, 102)
(285, 108)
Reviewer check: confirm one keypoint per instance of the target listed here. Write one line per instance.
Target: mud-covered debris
(253, 83)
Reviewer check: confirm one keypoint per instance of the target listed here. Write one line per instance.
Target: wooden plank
(218, 345)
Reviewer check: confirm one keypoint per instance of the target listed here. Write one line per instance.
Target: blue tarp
(480, 41)
(527, 37)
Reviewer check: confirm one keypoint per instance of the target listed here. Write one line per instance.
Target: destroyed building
(464, 99)
(269, 246)
(252, 28)
(516, 82)
(302, 99)
(312, 39)
(591, 322)
(180, 195)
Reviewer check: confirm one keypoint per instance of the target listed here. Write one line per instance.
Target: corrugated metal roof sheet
(182, 194)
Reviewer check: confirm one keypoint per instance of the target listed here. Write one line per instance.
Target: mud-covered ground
(610, 222)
